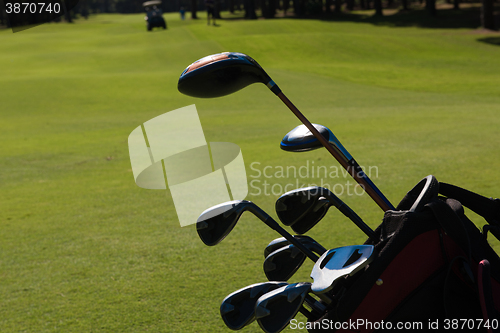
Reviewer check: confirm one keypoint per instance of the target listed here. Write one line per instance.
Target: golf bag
(433, 267)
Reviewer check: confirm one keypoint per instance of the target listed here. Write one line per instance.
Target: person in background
(210, 11)
(157, 11)
(183, 13)
(149, 12)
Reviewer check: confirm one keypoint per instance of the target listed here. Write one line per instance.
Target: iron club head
(303, 208)
(238, 308)
(215, 223)
(282, 264)
(304, 204)
(275, 309)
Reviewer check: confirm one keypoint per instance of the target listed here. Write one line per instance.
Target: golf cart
(153, 15)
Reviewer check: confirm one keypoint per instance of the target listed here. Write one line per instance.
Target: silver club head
(340, 262)
(238, 308)
(301, 139)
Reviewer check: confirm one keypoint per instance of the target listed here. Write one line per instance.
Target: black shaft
(264, 217)
(347, 211)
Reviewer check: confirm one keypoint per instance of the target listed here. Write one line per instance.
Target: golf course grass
(84, 249)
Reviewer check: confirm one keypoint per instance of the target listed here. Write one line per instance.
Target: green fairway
(83, 249)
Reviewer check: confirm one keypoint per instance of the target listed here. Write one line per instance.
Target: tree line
(265, 8)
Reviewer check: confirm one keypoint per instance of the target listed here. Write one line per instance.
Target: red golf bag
(434, 270)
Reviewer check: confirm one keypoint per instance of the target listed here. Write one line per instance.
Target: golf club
(282, 264)
(238, 308)
(338, 263)
(303, 208)
(282, 241)
(301, 139)
(225, 73)
(275, 309)
(215, 223)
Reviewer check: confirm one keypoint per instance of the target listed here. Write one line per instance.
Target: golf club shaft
(305, 312)
(274, 225)
(324, 297)
(349, 213)
(315, 246)
(357, 172)
(313, 304)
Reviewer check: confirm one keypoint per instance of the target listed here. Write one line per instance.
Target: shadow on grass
(490, 40)
(446, 18)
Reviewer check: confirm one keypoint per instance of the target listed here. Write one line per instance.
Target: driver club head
(238, 308)
(282, 264)
(221, 74)
(338, 263)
